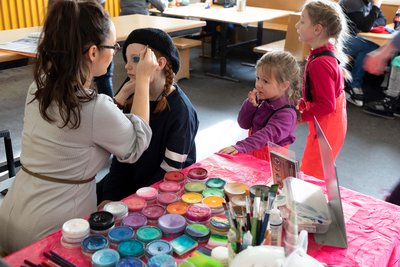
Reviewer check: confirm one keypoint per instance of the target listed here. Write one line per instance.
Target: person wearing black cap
(173, 119)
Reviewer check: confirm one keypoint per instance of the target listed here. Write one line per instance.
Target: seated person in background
(362, 16)
(173, 119)
(128, 7)
(69, 130)
(269, 110)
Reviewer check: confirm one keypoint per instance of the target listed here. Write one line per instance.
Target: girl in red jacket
(323, 26)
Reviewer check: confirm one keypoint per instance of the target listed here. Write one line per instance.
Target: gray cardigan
(141, 6)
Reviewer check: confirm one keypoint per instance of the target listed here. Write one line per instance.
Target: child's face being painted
(132, 58)
(305, 28)
(267, 87)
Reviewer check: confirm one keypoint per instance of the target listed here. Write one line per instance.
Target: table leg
(223, 50)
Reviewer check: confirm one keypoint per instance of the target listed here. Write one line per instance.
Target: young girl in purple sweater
(269, 112)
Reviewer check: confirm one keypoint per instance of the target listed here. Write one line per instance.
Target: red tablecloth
(373, 226)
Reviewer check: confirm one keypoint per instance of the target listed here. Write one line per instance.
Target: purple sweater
(279, 129)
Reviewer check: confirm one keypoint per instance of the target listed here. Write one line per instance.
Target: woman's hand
(147, 65)
(229, 150)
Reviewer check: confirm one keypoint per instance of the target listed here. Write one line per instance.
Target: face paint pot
(196, 187)
(135, 203)
(119, 234)
(172, 225)
(134, 220)
(192, 198)
(198, 232)
(213, 192)
(177, 208)
(215, 203)
(101, 222)
(105, 258)
(73, 232)
(152, 213)
(148, 193)
(118, 209)
(175, 176)
(198, 213)
(93, 243)
(131, 248)
(197, 174)
(216, 182)
(146, 234)
(164, 199)
(162, 260)
(158, 247)
(130, 262)
(170, 187)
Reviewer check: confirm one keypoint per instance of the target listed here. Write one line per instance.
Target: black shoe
(382, 108)
(355, 96)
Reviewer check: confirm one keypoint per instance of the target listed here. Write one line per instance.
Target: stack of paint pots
(197, 175)
(198, 232)
(118, 209)
(175, 176)
(101, 222)
(119, 234)
(215, 204)
(219, 225)
(172, 225)
(73, 232)
(198, 213)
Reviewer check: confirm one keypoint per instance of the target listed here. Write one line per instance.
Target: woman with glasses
(69, 130)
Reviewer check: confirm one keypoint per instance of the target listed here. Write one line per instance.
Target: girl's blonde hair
(282, 66)
(330, 15)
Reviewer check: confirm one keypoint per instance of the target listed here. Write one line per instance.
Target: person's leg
(357, 48)
(104, 83)
(394, 196)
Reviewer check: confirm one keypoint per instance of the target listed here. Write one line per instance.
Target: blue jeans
(358, 47)
(104, 82)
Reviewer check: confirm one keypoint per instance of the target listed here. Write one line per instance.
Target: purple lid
(135, 220)
(172, 223)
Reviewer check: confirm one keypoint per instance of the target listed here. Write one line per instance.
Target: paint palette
(183, 244)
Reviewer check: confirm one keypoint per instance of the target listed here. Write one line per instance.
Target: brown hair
(282, 66)
(330, 15)
(70, 28)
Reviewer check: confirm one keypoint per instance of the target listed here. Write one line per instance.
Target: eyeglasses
(115, 47)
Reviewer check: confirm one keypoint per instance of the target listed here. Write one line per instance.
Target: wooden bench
(291, 42)
(184, 45)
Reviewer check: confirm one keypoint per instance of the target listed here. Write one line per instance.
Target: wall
(28, 13)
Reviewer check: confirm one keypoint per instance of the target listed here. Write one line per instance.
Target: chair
(10, 164)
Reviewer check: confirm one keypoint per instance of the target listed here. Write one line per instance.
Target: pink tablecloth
(373, 226)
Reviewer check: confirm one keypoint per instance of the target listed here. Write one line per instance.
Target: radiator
(28, 13)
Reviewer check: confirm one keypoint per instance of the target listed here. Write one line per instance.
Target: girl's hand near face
(252, 97)
(229, 150)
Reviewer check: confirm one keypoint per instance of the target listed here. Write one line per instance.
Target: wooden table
(123, 24)
(378, 38)
(226, 16)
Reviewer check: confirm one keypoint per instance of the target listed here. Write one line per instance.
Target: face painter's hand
(252, 97)
(147, 64)
(229, 150)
